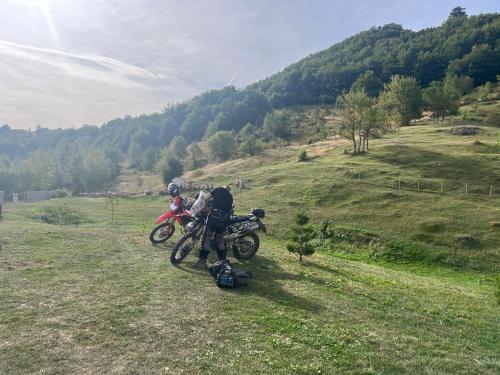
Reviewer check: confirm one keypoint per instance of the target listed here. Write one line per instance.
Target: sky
(67, 63)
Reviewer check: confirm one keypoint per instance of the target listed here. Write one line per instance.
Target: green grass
(99, 298)
(363, 191)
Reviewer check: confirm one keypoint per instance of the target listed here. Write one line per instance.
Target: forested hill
(462, 45)
(467, 46)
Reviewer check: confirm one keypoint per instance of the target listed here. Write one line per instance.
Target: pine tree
(300, 237)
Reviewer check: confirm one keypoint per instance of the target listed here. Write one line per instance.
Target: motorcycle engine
(190, 226)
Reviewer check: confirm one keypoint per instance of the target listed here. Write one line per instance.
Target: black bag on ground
(226, 276)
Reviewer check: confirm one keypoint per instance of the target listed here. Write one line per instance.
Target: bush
(251, 147)
(303, 156)
(221, 146)
(60, 215)
(278, 124)
(60, 193)
(169, 168)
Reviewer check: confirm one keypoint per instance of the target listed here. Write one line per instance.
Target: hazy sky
(71, 62)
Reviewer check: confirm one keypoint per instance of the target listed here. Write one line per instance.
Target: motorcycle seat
(238, 219)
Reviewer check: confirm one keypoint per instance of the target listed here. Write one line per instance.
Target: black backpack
(226, 276)
(219, 207)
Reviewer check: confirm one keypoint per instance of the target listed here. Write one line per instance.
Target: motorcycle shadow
(267, 279)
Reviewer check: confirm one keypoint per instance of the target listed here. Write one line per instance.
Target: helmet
(173, 189)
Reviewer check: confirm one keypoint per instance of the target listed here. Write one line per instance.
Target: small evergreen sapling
(303, 156)
(300, 237)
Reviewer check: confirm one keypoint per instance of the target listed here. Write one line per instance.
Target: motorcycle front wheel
(245, 247)
(162, 233)
(183, 247)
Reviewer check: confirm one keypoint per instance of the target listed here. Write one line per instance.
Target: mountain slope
(461, 45)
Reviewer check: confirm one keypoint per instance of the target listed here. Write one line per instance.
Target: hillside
(364, 191)
(462, 46)
(98, 297)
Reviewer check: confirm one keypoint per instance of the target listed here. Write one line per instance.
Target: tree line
(462, 46)
(401, 101)
(392, 74)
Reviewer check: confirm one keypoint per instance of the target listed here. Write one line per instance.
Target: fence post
(466, 189)
(399, 184)
(418, 184)
(441, 186)
(491, 190)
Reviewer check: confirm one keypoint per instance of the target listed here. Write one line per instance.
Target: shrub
(221, 146)
(303, 156)
(60, 215)
(169, 167)
(301, 236)
(60, 193)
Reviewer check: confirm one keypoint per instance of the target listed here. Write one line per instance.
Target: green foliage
(195, 157)
(169, 167)
(97, 172)
(40, 172)
(149, 159)
(403, 97)
(59, 215)
(458, 12)
(368, 82)
(463, 50)
(247, 131)
(135, 154)
(361, 117)
(463, 45)
(178, 147)
(441, 99)
(301, 235)
(460, 85)
(221, 146)
(303, 156)
(485, 91)
(278, 124)
(251, 146)
(481, 63)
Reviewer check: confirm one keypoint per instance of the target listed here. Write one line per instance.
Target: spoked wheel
(162, 232)
(183, 248)
(246, 246)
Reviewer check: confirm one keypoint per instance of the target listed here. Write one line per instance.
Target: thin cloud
(58, 89)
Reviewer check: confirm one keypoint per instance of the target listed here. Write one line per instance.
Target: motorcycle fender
(164, 217)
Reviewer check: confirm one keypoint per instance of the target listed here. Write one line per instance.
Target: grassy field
(98, 298)
(363, 191)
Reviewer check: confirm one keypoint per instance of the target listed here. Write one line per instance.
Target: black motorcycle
(240, 236)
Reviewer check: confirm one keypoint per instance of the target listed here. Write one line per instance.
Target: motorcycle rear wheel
(162, 233)
(245, 247)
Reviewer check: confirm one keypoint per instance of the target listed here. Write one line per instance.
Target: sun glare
(43, 6)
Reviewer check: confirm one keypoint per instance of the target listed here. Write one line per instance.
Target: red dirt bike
(166, 227)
